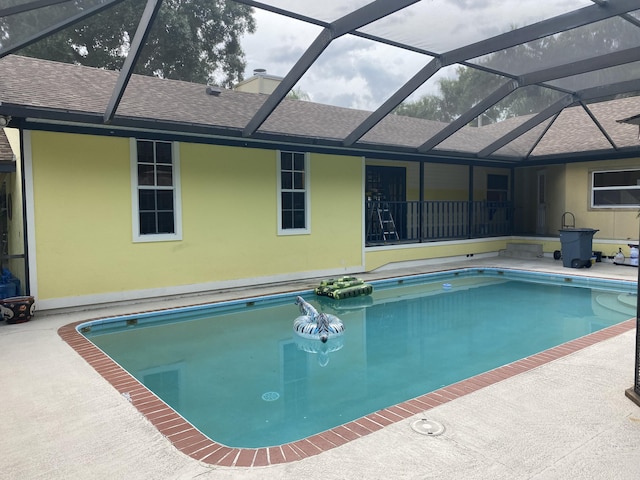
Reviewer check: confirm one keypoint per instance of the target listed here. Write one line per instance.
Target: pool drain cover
(270, 396)
(427, 427)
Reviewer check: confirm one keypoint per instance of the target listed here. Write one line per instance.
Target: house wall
(377, 257)
(82, 252)
(613, 223)
(617, 227)
(83, 245)
(265, 84)
(446, 182)
(568, 190)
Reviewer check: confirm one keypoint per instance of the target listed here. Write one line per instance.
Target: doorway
(541, 211)
(388, 185)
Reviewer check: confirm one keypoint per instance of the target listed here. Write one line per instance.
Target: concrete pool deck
(566, 419)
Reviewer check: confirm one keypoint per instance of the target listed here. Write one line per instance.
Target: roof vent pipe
(213, 90)
(260, 72)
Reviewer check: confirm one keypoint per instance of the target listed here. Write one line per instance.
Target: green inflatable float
(343, 287)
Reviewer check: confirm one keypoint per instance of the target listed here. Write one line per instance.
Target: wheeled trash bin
(577, 246)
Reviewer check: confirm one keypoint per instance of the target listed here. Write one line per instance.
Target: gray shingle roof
(73, 89)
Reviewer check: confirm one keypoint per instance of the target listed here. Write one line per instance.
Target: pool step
(629, 300)
(522, 250)
(618, 302)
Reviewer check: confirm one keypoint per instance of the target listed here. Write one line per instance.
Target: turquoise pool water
(239, 374)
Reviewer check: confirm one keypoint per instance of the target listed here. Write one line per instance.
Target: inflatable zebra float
(314, 325)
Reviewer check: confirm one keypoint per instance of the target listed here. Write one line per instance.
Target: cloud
(360, 71)
(351, 72)
(278, 43)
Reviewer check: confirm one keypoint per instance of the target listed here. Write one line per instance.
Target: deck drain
(270, 396)
(427, 427)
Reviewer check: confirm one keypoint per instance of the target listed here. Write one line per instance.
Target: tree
(192, 40)
(427, 106)
(298, 94)
(471, 85)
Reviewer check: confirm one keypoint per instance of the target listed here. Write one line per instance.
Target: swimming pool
(240, 375)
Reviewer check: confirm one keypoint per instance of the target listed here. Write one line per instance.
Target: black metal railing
(415, 221)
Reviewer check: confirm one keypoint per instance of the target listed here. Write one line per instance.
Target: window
(155, 191)
(615, 189)
(497, 188)
(293, 193)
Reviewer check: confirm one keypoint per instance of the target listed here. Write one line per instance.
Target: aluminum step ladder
(387, 224)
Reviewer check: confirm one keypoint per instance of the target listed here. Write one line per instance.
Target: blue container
(8, 290)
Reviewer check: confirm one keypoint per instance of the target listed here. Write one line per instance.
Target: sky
(357, 73)
(348, 72)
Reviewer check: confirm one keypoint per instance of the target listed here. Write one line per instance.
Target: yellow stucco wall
(568, 189)
(446, 182)
(82, 210)
(83, 225)
(612, 223)
(378, 257)
(84, 228)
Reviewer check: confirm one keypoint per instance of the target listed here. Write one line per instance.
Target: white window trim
(177, 197)
(307, 197)
(611, 207)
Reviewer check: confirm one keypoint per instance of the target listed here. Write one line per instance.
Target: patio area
(568, 418)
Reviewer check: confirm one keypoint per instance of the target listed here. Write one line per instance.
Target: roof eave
(66, 120)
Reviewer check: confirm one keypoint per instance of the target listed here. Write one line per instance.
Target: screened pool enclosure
(507, 83)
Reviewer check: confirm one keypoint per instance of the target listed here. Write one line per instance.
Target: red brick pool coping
(186, 438)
